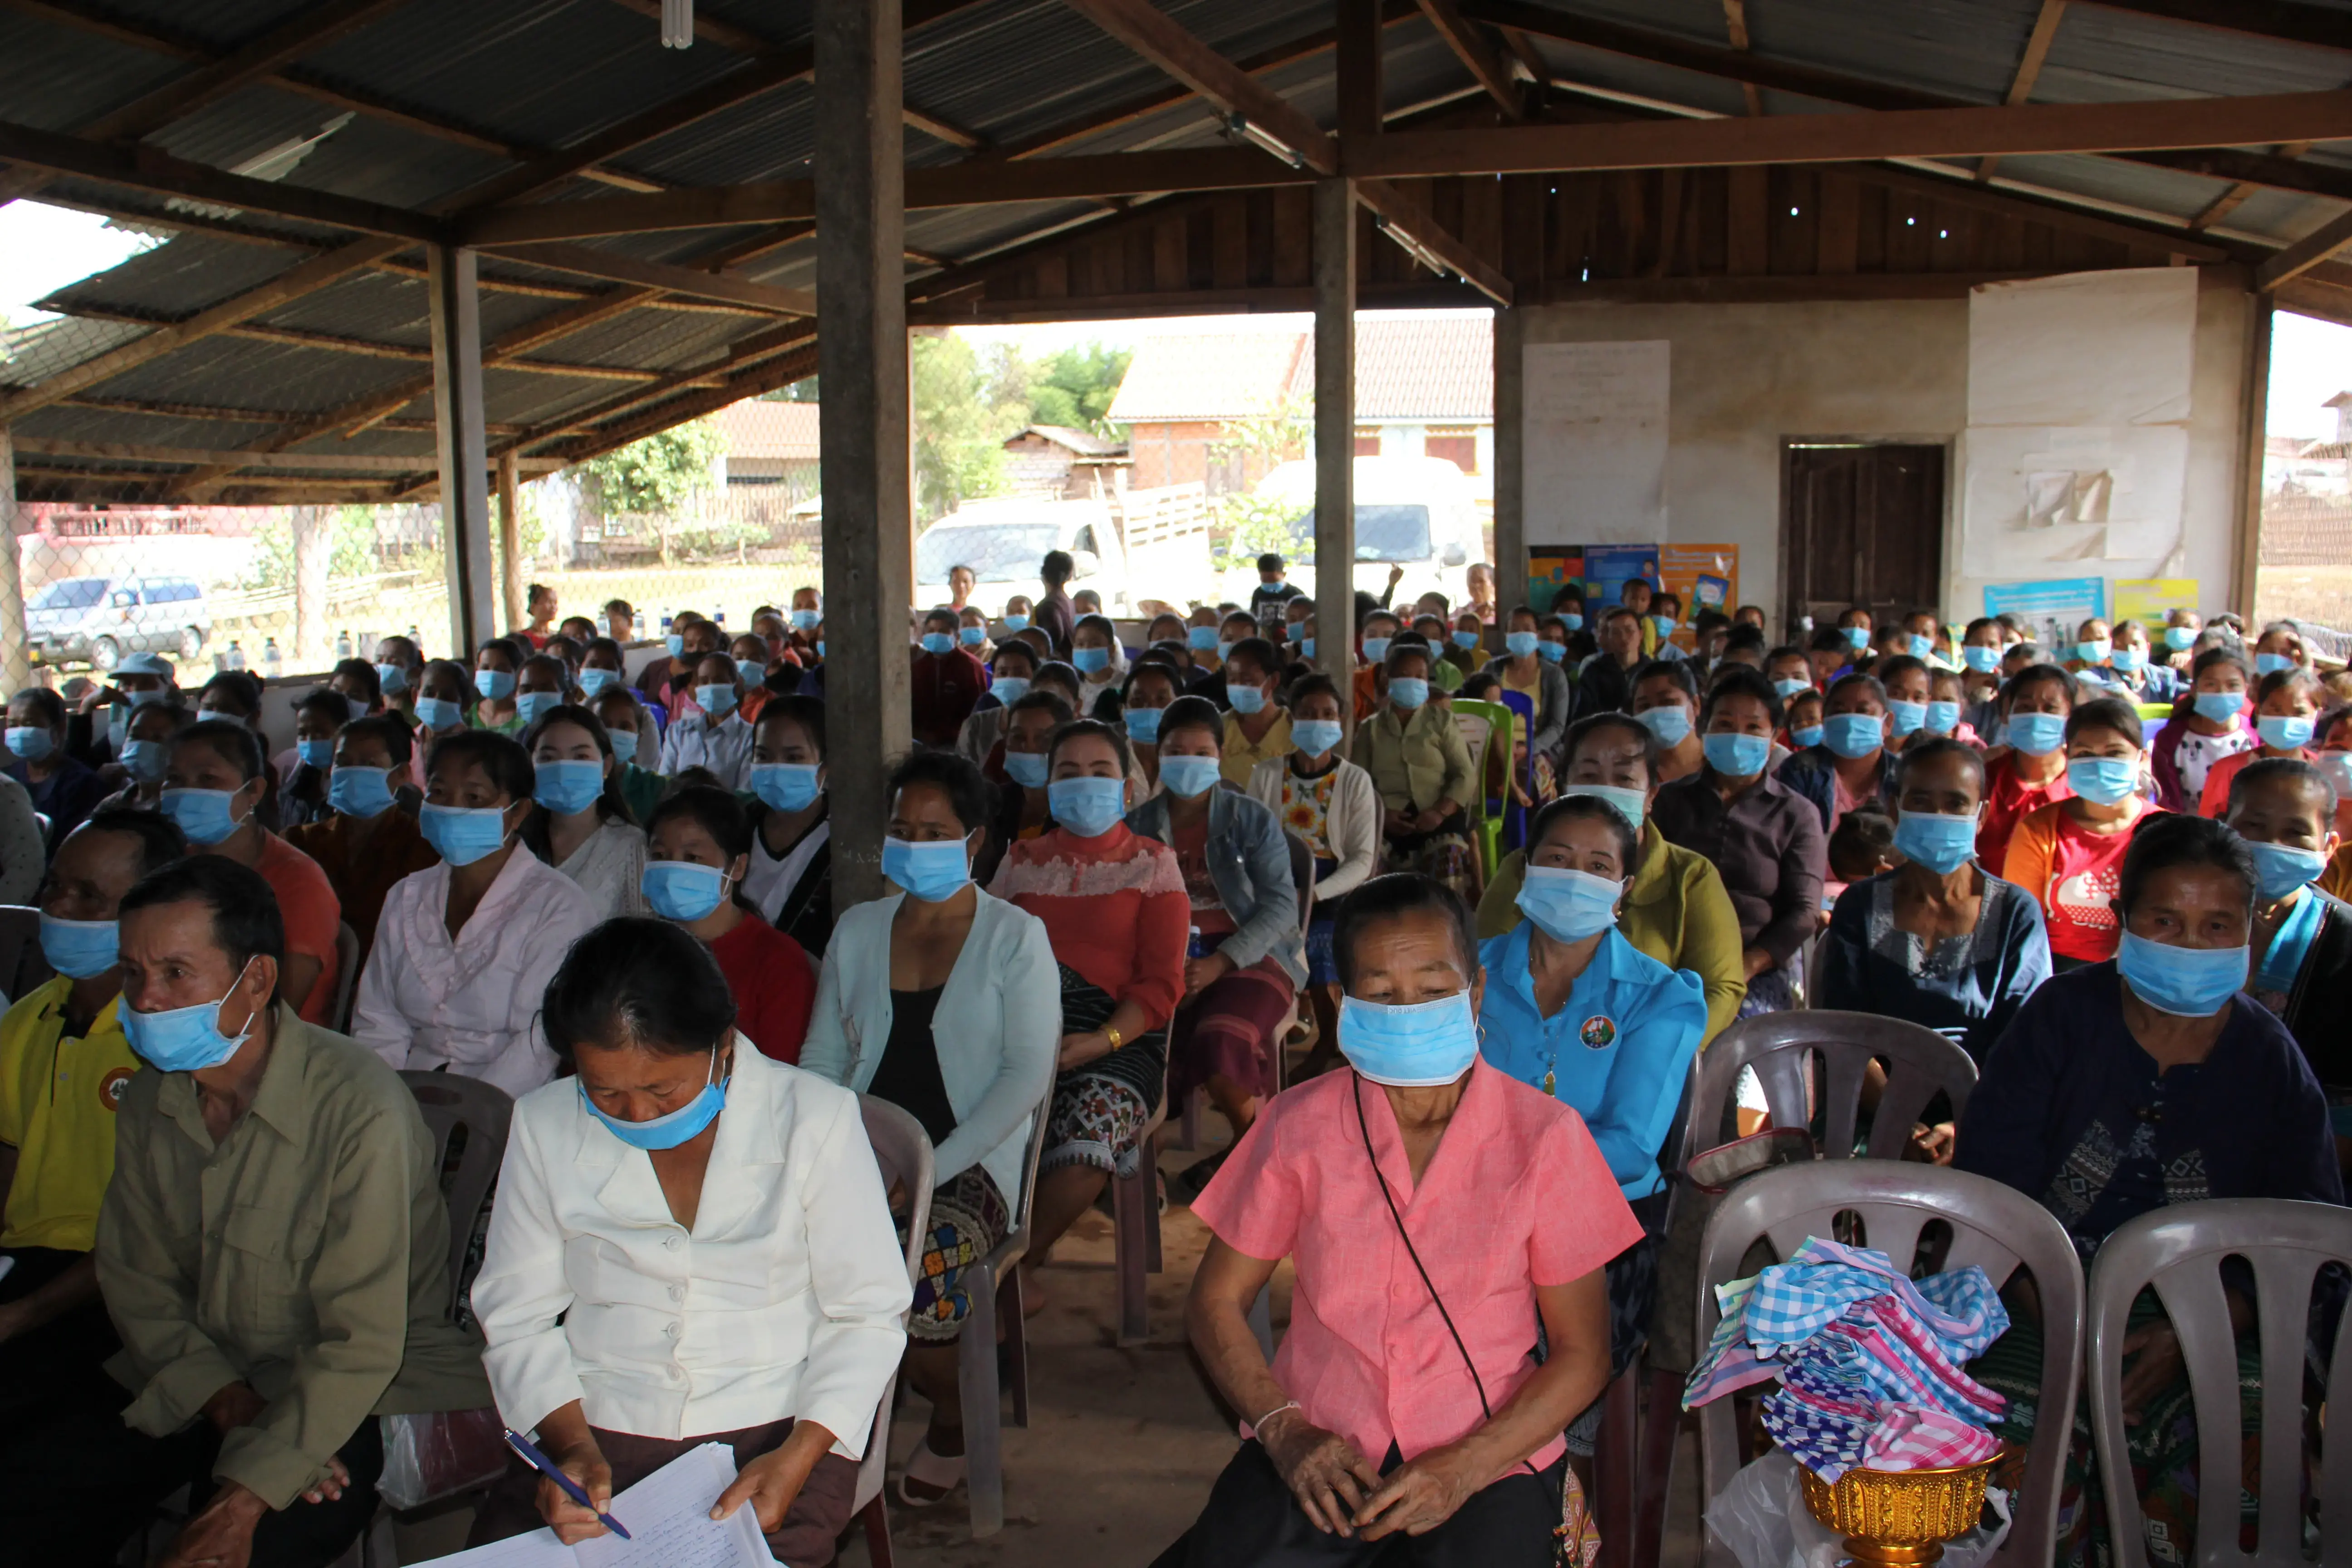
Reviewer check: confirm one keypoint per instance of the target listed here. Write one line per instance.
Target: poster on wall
(1551, 568)
(2149, 600)
(1609, 567)
(2052, 610)
(1594, 418)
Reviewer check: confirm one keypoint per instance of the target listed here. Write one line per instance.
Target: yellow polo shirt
(1241, 756)
(57, 1099)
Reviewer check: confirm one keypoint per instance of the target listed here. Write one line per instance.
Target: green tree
(1076, 386)
(962, 422)
(1250, 523)
(350, 547)
(660, 473)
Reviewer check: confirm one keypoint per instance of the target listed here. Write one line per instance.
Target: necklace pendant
(1547, 1082)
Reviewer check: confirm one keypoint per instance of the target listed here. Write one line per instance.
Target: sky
(2311, 361)
(43, 248)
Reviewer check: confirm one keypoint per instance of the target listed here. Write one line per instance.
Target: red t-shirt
(944, 688)
(2085, 875)
(775, 987)
(2007, 800)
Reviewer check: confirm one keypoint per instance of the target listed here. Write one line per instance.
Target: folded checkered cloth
(1909, 1438)
(1794, 1301)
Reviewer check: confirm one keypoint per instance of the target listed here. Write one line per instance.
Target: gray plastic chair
(2179, 1249)
(903, 1150)
(994, 1284)
(1135, 1228)
(1779, 1046)
(449, 1101)
(1994, 1227)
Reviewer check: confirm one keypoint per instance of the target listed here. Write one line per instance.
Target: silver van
(102, 618)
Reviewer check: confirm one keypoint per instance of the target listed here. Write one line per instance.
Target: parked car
(1413, 512)
(1003, 539)
(100, 619)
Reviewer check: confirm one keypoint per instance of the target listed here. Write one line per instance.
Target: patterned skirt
(1444, 854)
(1100, 1107)
(1231, 1030)
(969, 1217)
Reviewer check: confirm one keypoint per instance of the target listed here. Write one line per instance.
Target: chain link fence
(2306, 566)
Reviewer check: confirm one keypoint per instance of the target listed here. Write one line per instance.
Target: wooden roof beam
(1476, 52)
(155, 408)
(1735, 27)
(2029, 69)
(1406, 215)
(614, 267)
(2306, 253)
(1160, 38)
(330, 462)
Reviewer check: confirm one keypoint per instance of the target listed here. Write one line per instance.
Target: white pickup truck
(1004, 539)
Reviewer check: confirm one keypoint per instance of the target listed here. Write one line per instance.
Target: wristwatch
(1113, 1037)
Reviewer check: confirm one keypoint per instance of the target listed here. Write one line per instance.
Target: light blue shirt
(1618, 1051)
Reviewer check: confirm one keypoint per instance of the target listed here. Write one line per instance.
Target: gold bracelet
(1112, 1036)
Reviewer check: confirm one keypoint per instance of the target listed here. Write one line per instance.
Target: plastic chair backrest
(1994, 1227)
(1779, 1046)
(2179, 1249)
(903, 1150)
(348, 959)
(451, 1103)
(1302, 876)
(22, 964)
(1476, 729)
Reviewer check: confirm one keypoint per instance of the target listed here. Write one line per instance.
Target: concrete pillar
(862, 425)
(510, 540)
(1509, 449)
(462, 444)
(2254, 405)
(1335, 436)
(16, 665)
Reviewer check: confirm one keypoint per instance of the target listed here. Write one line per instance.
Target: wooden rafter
(158, 408)
(376, 348)
(1158, 38)
(1735, 27)
(615, 267)
(1407, 214)
(330, 462)
(2029, 69)
(1476, 52)
(2306, 253)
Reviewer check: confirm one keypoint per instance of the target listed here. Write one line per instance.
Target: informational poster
(2149, 600)
(1609, 567)
(2054, 610)
(1551, 568)
(1595, 440)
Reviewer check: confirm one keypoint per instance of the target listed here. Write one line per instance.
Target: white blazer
(788, 1296)
(472, 1005)
(998, 1026)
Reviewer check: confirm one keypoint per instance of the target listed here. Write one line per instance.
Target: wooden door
(1861, 525)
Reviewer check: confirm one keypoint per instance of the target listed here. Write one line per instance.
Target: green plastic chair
(1486, 828)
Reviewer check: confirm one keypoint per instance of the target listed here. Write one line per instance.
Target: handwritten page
(669, 1517)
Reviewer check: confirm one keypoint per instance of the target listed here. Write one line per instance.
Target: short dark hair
(513, 650)
(360, 670)
(1033, 700)
(246, 923)
(641, 982)
(1393, 896)
(398, 744)
(1869, 683)
(46, 705)
(1745, 635)
(952, 775)
(1057, 568)
(238, 686)
(1616, 612)
(233, 743)
(1896, 664)
(502, 757)
(1677, 670)
(1314, 684)
(1828, 639)
(2294, 677)
(2286, 769)
(2166, 840)
(1941, 746)
(1584, 729)
(1571, 807)
(1015, 645)
(160, 842)
(1079, 729)
(808, 713)
(2219, 655)
(2042, 674)
(1259, 652)
(333, 705)
(2106, 713)
(1060, 671)
(1866, 830)
(715, 810)
(1740, 680)
(1269, 562)
(1193, 714)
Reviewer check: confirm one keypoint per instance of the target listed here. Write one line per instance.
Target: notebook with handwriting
(669, 1513)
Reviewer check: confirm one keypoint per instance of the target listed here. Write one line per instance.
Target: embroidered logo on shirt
(1599, 1031)
(109, 1088)
(2087, 898)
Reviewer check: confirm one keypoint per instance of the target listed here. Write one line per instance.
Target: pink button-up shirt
(1515, 1196)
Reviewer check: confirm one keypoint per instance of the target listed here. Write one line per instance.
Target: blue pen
(546, 1467)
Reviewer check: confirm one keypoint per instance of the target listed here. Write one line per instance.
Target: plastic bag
(1761, 1516)
(439, 1453)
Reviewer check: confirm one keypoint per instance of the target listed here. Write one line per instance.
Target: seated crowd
(1122, 878)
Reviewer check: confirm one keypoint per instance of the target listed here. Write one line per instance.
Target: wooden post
(1335, 438)
(462, 444)
(510, 540)
(2255, 400)
(861, 429)
(1510, 447)
(1359, 67)
(15, 662)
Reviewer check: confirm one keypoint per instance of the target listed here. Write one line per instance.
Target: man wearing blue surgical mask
(399, 671)
(1257, 727)
(713, 734)
(318, 717)
(1855, 761)
(1605, 680)
(1421, 768)
(96, 725)
(1665, 703)
(1274, 592)
(946, 682)
(2286, 811)
(64, 1034)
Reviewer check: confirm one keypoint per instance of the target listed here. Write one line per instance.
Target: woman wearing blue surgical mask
(361, 686)
(1545, 700)
(465, 949)
(583, 826)
(2030, 770)
(2139, 666)
(542, 685)
(1115, 909)
(1100, 661)
(2287, 704)
(496, 676)
(1665, 703)
(1020, 769)
(790, 881)
(1940, 941)
(943, 1001)
(443, 707)
(318, 717)
(752, 657)
(2301, 941)
(2068, 854)
(2176, 645)
(972, 634)
(713, 734)
(2128, 1086)
(1764, 838)
(1855, 761)
(2210, 721)
(63, 789)
(742, 1197)
(1015, 666)
(399, 670)
(2280, 646)
(368, 839)
(602, 668)
(1245, 958)
(698, 846)
(1421, 767)
(1150, 688)
(946, 682)
(145, 753)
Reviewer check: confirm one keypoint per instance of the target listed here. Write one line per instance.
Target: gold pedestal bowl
(1900, 1519)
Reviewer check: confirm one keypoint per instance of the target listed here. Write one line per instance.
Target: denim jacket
(1249, 860)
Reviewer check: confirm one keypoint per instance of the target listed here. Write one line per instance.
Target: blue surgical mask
(569, 787)
(2220, 707)
(676, 643)
(1408, 691)
(1737, 756)
(31, 741)
(182, 1039)
(1377, 649)
(1857, 638)
(1246, 700)
(1009, 688)
(1225, 647)
(1016, 624)
(1920, 647)
(667, 1131)
(1419, 1045)
(1940, 843)
(1553, 652)
(2186, 982)
(362, 793)
(625, 744)
(1572, 622)
(2037, 735)
(1088, 807)
(1907, 716)
(753, 671)
(1569, 905)
(2103, 780)
(494, 684)
(806, 620)
(1277, 586)
(682, 890)
(2285, 732)
(932, 871)
(1630, 803)
(1027, 769)
(1852, 735)
(316, 753)
(972, 637)
(1313, 737)
(146, 760)
(202, 814)
(595, 680)
(1190, 776)
(1788, 686)
(1943, 718)
(533, 706)
(462, 835)
(79, 949)
(1806, 736)
(1670, 725)
(786, 786)
(392, 677)
(1143, 725)
(820, 647)
(1090, 660)
(1200, 639)
(2128, 659)
(2180, 640)
(1664, 625)
(2270, 663)
(940, 642)
(2279, 869)
(439, 713)
(1520, 644)
(2094, 652)
(1982, 660)
(1307, 647)
(1465, 641)
(716, 700)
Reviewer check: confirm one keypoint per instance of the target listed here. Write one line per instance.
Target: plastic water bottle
(235, 658)
(343, 644)
(273, 663)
